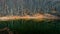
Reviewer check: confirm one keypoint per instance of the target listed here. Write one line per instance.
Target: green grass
(32, 26)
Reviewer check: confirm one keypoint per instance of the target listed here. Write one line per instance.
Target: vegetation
(31, 26)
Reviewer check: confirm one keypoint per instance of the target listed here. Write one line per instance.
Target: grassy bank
(23, 26)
